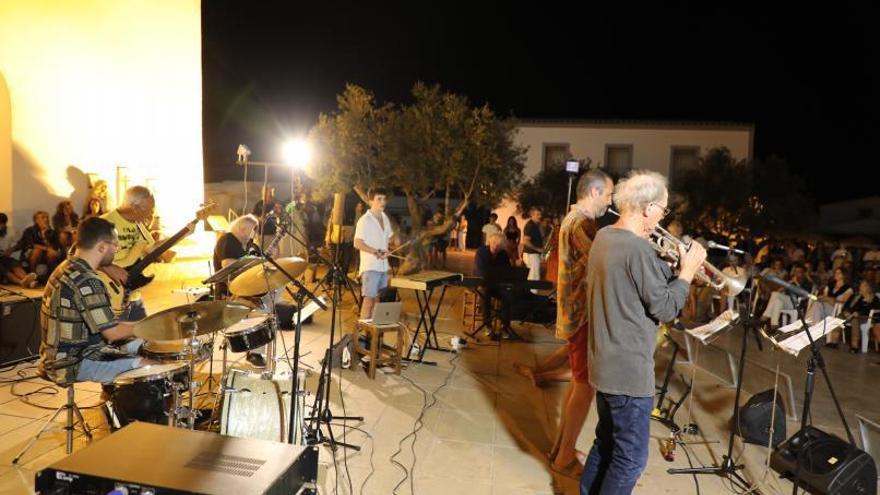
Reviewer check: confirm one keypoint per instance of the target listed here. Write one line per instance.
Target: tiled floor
(487, 432)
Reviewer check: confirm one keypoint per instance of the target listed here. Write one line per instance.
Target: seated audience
(856, 310)
(10, 268)
(64, 221)
(39, 245)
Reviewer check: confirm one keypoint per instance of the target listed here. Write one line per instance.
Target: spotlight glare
(297, 153)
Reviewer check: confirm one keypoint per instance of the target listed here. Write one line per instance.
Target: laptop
(386, 313)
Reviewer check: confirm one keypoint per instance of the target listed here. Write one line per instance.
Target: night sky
(806, 79)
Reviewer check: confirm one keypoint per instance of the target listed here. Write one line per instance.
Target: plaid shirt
(75, 310)
(576, 236)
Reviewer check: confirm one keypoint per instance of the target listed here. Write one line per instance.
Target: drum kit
(176, 340)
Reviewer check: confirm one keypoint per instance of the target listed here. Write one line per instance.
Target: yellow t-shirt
(130, 235)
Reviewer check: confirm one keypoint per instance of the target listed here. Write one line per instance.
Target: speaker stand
(815, 360)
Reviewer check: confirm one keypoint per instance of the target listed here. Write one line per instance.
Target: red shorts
(577, 355)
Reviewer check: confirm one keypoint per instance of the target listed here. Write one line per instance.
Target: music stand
(233, 270)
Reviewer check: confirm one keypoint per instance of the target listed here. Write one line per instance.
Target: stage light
(297, 153)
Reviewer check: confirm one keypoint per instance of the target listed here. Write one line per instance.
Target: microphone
(715, 245)
(789, 287)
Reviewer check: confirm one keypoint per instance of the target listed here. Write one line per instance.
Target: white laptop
(387, 313)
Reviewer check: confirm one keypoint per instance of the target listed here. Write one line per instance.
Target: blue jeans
(105, 371)
(620, 450)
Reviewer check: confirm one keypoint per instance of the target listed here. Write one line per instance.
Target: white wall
(652, 145)
(93, 84)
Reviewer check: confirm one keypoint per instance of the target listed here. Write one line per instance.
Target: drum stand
(191, 318)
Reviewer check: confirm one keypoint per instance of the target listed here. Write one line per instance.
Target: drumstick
(398, 248)
(396, 256)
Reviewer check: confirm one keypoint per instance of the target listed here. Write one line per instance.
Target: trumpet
(667, 246)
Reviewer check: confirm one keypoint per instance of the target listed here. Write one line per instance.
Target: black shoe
(256, 360)
(832, 345)
(853, 350)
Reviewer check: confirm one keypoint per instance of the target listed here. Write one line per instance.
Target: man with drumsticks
(371, 237)
(78, 326)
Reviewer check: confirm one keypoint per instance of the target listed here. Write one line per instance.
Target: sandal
(573, 469)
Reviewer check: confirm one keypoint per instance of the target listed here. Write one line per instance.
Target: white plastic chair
(864, 329)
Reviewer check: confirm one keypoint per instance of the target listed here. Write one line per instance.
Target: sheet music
(705, 332)
(794, 344)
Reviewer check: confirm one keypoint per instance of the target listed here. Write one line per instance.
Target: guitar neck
(159, 251)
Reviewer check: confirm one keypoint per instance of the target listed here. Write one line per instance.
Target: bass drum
(255, 407)
(146, 394)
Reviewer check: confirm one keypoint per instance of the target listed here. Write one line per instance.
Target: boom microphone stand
(727, 467)
(321, 412)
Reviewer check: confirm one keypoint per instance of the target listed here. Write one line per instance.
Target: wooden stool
(472, 310)
(378, 350)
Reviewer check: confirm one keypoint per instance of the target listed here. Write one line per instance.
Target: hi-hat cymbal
(176, 323)
(263, 278)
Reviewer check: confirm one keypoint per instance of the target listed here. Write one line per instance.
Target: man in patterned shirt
(77, 323)
(594, 191)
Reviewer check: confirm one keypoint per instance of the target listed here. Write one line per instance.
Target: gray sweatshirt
(630, 290)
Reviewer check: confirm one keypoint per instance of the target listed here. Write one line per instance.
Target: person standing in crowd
(576, 234)
(490, 228)
(512, 235)
(533, 244)
(64, 221)
(268, 210)
(463, 230)
(629, 291)
(10, 268)
(372, 236)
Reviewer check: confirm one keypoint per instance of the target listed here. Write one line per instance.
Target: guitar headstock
(205, 211)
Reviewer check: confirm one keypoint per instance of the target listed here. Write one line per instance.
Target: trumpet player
(629, 291)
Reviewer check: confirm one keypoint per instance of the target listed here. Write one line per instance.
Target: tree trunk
(415, 210)
(446, 202)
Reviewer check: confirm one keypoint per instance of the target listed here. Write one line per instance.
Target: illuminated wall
(95, 84)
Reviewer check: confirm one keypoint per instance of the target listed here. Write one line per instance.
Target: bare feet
(571, 469)
(525, 372)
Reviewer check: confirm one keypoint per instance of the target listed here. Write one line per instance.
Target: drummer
(230, 247)
(82, 340)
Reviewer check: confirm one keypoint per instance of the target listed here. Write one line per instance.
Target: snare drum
(176, 350)
(146, 393)
(250, 333)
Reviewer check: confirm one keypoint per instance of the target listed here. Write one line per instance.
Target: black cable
(372, 451)
(685, 448)
(344, 429)
(417, 426)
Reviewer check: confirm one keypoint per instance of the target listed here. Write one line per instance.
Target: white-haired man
(131, 220)
(629, 291)
(230, 247)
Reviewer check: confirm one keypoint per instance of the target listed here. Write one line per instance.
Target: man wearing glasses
(135, 240)
(629, 291)
(77, 323)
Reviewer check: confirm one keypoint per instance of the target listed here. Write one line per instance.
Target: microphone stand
(728, 467)
(299, 297)
(321, 413)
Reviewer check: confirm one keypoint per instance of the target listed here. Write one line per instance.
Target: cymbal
(176, 323)
(264, 277)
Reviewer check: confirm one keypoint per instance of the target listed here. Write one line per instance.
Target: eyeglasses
(666, 209)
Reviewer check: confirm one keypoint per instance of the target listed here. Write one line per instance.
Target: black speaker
(825, 464)
(19, 329)
(752, 421)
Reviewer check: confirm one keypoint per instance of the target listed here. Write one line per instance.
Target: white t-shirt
(489, 229)
(373, 235)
